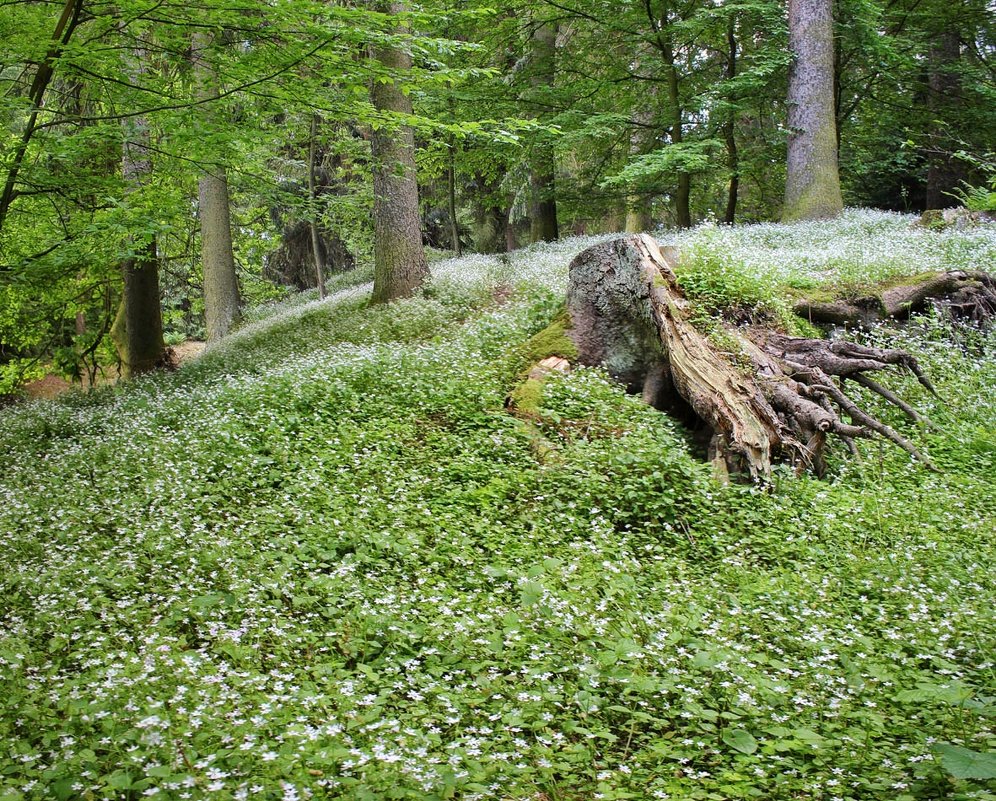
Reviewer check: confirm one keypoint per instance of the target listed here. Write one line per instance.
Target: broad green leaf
(740, 740)
(964, 763)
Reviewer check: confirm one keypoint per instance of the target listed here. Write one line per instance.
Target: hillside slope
(323, 561)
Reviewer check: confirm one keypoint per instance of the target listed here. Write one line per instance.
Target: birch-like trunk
(812, 184)
(222, 302)
(400, 267)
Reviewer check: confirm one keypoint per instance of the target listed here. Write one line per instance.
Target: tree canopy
(529, 120)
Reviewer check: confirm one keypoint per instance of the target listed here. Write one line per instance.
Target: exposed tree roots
(764, 396)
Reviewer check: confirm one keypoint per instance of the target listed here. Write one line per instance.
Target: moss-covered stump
(779, 399)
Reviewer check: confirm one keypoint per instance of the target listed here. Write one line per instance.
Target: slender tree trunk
(812, 186)
(68, 21)
(542, 177)
(638, 207)
(944, 86)
(140, 344)
(317, 249)
(683, 195)
(222, 303)
(490, 218)
(729, 130)
(400, 267)
(661, 26)
(451, 197)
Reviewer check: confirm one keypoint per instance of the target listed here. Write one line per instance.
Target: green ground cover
(323, 561)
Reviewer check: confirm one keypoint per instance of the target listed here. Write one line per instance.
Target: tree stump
(776, 398)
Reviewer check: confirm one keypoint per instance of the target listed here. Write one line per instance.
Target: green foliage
(964, 763)
(722, 285)
(648, 170)
(977, 198)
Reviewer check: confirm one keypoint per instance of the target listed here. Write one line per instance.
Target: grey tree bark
(812, 184)
(222, 302)
(400, 267)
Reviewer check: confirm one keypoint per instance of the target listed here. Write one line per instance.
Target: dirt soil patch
(53, 385)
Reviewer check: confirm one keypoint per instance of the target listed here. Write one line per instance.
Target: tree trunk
(543, 225)
(139, 333)
(451, 200)
(642, 137)
(222, 303)
(775, 399)
(663, 40)
(682, 198)
(317, 250)
(943, 173)
(145, 349)
(64, 28)
(729, 129)
(221, 288)
(400, 267)
(812, 185)
(490, 215)
(966, 295)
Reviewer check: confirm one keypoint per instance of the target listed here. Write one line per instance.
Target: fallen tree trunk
(764, 397)
(966, 295)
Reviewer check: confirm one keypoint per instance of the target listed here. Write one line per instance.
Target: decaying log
(779, 398)
(966, 295)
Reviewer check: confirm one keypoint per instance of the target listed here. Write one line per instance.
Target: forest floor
(53, 385)
(323, 560)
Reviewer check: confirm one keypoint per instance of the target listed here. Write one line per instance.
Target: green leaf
(119, 780)
(740, 740)
(964, 763)
(531, 593)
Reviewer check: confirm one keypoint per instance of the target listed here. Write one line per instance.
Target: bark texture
(729, 128)
(222, 302)
(944, 173)
(400, 267)
(778, 398)
(317, 250)
(812, 184)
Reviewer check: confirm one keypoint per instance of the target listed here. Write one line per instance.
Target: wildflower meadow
(324, 561)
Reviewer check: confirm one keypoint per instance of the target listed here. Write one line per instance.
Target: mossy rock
(547, 351)
(551, 341)
(527, 397)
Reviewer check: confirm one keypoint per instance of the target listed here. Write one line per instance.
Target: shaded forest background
(135, 134)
